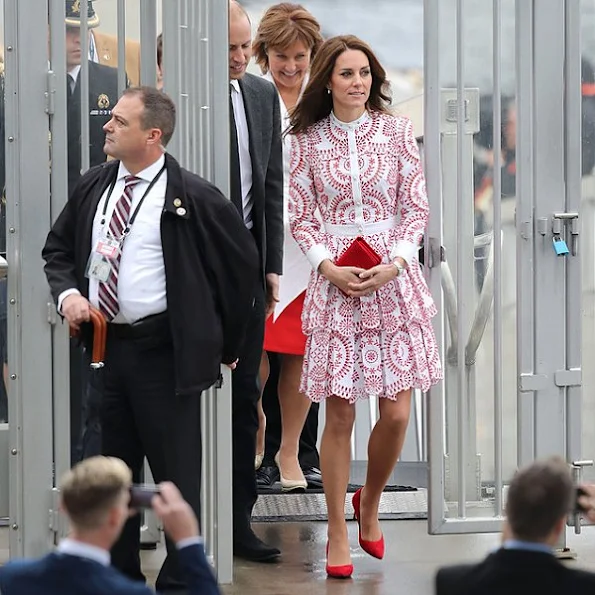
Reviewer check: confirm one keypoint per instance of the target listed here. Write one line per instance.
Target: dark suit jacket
(514, 572)
(103, 95)
(63, 574)
(261, 103)
(211, 266)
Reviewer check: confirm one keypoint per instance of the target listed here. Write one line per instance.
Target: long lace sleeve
(304, 224)
(411, 194)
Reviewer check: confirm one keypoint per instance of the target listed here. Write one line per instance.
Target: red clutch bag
(359, 254)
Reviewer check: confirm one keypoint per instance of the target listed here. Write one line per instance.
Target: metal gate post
(195, 45)
(459, 245)
(28, 221)
(549, 185)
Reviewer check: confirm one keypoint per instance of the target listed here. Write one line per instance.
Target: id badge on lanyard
(107, 249)
(102, 257)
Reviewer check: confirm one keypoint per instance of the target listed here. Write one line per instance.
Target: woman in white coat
(286, 41)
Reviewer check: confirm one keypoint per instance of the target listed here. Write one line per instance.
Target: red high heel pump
(342, 571)
(374, 548)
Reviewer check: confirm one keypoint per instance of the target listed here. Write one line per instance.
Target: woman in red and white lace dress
(368, 332)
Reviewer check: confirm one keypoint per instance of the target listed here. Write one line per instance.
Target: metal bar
(483, 310)
(171, 67)
(461, 373)
(58, 198)
(28, 219)
(549, 184)
(473, 525)
(433, 164)
(183, 96)
(496, 250)
(122, 79)
(223, 543)
(205, 525)
(148, 35)
(218, 33)
(573, 204)
(84, 85)
(524, 221)
(205, 112)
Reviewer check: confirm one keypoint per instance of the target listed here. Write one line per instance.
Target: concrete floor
(411, 561)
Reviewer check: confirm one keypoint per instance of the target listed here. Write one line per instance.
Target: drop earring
(328, 90)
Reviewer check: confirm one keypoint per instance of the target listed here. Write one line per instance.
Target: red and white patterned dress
(364, 178)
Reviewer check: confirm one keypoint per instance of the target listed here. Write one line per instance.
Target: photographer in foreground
(540, 497)
(95, 496)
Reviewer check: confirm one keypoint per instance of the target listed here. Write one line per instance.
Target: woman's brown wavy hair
(280, 27)
(317, 103)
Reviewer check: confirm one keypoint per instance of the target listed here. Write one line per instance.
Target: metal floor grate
(312, 507)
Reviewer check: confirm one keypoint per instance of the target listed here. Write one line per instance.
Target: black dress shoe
(252, 548)
(313, 477)
(266, 476)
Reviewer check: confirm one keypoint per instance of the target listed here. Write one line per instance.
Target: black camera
(141, 496)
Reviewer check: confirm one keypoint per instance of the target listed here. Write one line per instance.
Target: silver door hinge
(436, 253)
(52, 313)
(531, 382)
(50, 93)
(562, 378)
(54, 518)
(572, 377)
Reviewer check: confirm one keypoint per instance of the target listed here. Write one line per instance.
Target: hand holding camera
(177, 516)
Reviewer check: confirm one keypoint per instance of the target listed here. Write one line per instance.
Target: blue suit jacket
(64, 574)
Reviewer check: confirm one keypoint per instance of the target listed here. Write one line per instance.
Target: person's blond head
(92, 488)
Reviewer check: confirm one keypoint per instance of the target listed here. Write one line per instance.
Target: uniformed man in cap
(103, 93)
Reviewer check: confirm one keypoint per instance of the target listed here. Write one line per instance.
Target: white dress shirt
(74, 74)
(239, 113)
(141, 277)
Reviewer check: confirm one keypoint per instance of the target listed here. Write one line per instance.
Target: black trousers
(308, 453)
(142, 415)
(245, 394)
(79, 377)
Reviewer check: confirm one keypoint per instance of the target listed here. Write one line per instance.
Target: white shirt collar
(74, 73)
(72, 547)
(146, 174)
(235, 85)
(350, 125)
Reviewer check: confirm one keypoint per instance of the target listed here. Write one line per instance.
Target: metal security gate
(510, 307)
(195, 66)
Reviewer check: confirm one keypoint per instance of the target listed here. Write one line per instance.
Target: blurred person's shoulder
(54, 573)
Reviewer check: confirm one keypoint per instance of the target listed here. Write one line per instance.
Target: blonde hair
(281, 26)
(91, 488)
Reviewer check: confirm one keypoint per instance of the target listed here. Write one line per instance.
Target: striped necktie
(108, 291)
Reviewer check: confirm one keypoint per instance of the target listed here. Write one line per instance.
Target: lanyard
(138, 206)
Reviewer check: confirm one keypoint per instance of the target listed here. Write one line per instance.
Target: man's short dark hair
(538, 497)
(159, 112)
